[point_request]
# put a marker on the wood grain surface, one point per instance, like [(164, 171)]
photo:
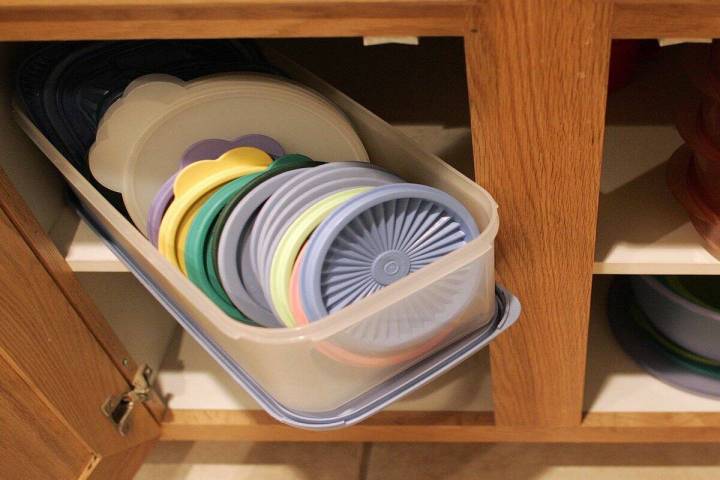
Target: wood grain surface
[(695, 19), (537, 75), (50, 348), (228, 425), (251, 18), (56, 266), (44, 338), (116, 19), (35, 443), (123, 465)]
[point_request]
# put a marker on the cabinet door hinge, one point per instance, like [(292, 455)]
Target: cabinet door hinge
[(119, 408)]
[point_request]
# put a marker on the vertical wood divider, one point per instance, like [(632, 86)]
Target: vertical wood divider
[(537, 79)]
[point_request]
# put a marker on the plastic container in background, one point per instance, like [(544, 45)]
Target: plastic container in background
[(693, 173), (704, 169), (692, 326), (682, 183), (642, 341), (298, 374)]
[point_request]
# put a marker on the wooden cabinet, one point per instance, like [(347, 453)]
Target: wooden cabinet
[(56, 366), (537, 85)]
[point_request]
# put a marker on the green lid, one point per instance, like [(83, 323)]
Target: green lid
[(212, 239), (197, 241)]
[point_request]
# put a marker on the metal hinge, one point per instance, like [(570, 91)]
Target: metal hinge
[(119, 408)]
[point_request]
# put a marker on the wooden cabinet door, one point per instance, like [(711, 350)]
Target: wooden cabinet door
[(59, 362)]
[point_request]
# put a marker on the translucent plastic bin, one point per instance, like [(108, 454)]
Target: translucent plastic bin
[(342, 368)]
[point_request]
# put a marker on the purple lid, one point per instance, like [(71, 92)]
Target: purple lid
[(214, 147), (160, 202), (203, 150)]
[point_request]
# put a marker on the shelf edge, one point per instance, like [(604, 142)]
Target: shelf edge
[(600, 427)]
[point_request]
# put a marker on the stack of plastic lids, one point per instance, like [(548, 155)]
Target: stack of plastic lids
[(66, 87), (694, 169), (670, 325), (261, 192)]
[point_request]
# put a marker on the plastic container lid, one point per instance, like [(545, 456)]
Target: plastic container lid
[(197, 243), (146, 98), (159, 205), (277, 285), (236, 275), (227, 237), (292, 199), (336, 351), (199, 179), (374, 240), (184, 228), (378, 238), (125, 121), (202, 150), (214, 147), (29, 82), (295, 301), (308, 125)]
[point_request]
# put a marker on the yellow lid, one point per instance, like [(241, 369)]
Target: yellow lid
[(197, 171), (290, 244), (182, 205)]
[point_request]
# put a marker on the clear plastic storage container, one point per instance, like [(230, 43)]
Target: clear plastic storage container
[(342, 368)]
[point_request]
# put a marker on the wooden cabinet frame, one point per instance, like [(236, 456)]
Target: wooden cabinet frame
[(59, 362), (537, 76)]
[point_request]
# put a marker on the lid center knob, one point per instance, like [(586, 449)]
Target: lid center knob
[(390, 266)]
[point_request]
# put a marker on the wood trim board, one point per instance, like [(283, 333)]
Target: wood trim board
[(596, 427), (537, 109), (695, 19), (136, 20)]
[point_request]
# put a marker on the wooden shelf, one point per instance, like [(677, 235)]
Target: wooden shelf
[(460, 427), (642, 229), (83, 250)]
